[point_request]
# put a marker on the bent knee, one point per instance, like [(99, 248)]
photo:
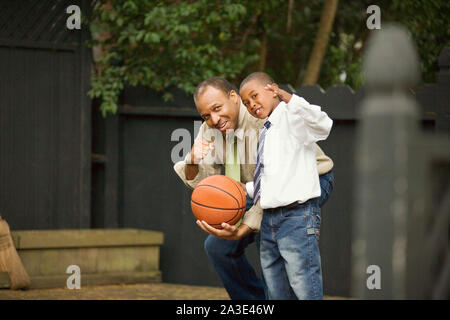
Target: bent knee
[(213, 246)]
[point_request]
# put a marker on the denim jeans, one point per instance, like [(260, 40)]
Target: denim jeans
[(290, 256), (229, 260)]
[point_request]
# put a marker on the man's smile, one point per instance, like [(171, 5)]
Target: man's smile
[(222, 126)]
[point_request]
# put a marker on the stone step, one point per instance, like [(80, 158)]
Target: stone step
[(104, 256), (4, 280), (111, 278)]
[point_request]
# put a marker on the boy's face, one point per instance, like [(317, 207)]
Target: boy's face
[(259, 102), (219, 110)]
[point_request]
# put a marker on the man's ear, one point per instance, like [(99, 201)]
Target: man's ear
[(234, 96)]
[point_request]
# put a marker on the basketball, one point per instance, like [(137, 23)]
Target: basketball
[(218, 199)]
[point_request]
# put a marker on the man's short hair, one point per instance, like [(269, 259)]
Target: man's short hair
[(262, 77), (215, 82)]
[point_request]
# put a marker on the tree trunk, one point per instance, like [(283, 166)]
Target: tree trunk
[(289, 16), (263, 52), (321, 42)]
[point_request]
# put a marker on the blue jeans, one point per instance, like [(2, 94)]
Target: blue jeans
[(229, 260), (290, 256)]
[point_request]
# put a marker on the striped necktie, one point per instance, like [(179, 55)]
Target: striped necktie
[(259, 163)]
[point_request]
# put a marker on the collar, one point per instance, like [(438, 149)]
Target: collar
[(276, 113)]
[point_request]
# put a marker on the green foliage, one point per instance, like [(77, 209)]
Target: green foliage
[(177, 44), (429, 26), (426, 20), (162, 45)]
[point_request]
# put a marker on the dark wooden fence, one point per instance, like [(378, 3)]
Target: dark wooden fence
[(45, 126)]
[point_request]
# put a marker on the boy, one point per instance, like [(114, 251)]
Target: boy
[(286, 186)]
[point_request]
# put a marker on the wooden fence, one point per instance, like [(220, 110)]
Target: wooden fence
[(45, 124)]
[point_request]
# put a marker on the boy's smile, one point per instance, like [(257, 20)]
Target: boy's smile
[(259, 101)]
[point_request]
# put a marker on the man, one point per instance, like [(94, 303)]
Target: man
[(228, 123)]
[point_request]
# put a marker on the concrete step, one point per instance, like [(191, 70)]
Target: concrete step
[(103, 256)]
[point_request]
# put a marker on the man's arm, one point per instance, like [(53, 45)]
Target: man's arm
[(191, 171)]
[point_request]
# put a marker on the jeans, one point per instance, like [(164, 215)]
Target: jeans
[(229, 260), (290, 256)]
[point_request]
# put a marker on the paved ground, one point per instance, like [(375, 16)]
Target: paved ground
[(150, 291)]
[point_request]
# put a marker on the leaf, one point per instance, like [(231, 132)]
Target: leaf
[(152, 37)]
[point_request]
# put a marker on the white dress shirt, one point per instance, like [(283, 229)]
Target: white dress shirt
[(290, 167)]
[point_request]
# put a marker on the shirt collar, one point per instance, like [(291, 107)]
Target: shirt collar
[(276, 113)]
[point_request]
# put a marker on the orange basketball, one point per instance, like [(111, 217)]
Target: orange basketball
[(218, 199)]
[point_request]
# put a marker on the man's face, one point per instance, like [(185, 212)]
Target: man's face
[(219, 110), (258, 101)]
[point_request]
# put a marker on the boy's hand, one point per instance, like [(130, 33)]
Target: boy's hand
[(199, 150), (228, 232), (278, 92)]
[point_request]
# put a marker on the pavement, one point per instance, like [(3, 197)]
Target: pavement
[(147, 291)]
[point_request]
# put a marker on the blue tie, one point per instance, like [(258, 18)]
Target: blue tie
[(259, 163)]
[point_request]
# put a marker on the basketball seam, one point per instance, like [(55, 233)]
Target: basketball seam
[(238, 187), (208, 185), (242, 197), (204, 205), (218, 224)]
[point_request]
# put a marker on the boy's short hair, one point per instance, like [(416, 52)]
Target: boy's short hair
[(262, 77), (215, 82)]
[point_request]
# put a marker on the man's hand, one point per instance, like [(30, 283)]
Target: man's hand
[(277, 91), (228, 232), (199, 150)]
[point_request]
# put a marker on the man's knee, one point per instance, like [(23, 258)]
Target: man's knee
[(214, 247), (209, 245), (218, 248)]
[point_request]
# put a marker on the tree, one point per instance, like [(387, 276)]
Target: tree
[(162, 44), (321, 42)]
